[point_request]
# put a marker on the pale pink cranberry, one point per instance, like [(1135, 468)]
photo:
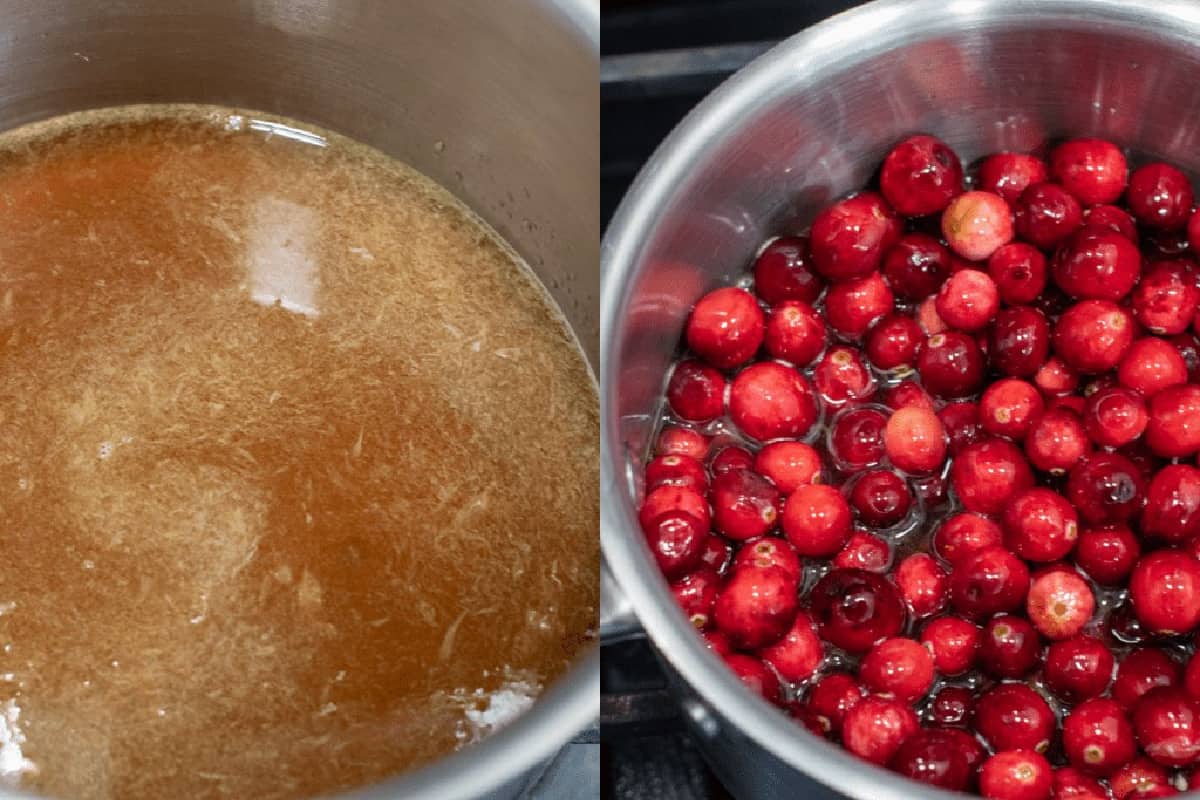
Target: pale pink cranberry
[(744, 504), (1045, 214), (916, 266), (795, 332), (799, 653), (864, 551), (927, 317), (1167, 296), (915, 440), (1099, 265), (1165, 591), (756, 607), (1019, 341), (1016, 775), (817, 520), (852, 306), (923, 584), (1011, 715), (976, 223), (1007, 174), (769, 400), (1107, 554), (1151, 365), (875, 727), (1098, 737), (784, 271), (1093, 336), (920, 176), (1174, 427), (1060, 603), (1160, 196), (954, 643), (899, 668), (1055, 378), (963, 534), (1172, 511), (988, 474), (789, 465), (1114, 416), (848, 239), (1009, 407), (842, 376), (968, 300), (1078, 668), (1093, 170), (726, 327), (1056, 441)]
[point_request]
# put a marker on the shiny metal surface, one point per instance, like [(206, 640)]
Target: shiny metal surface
[(496, 101), (805, 123)]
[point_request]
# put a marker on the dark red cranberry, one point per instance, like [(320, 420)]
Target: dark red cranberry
[(789, 465), (954, 643), (1007, 174), (769, 551), (730, 459), (952, 707), (726, 327), (1191, 677), (1009, 647), (1111, 218), (1174, 427), (817, 520), (1167, 296), (1172, 511), (1012, 715), (744, 503), (1009, 408), (875, 727), (1040, 525), (848, 239), (784, 271), (881, 498), (1046, 214), (1151, 365), (988, 474), (755, 676), (1137, 778), (1055, 378), (854, 609), (1019, 272), (968, 300), (1020, 341), (1106, 488), (1099, 265), (696, 593), (975, 224), (1060, 602), (666, 499), (757, 607), (1056, 441), (842, 376), (1167, 723), (1114, 416), (864, 551), (989, 581), (965, 533), (1165, 591), (1078, 668), (852, 306), (923, 584), (915, 440), (794, 332), (799, 653), (678, 441), (831, 697), (1165, 244), (1093, 170), (769, 400), (716, 554), (961, 421), (893, 343), (676, 539), (1160, 196), (951, 365), (935, 757), (899, 668), (696, 391), (717, 642), (856, 438), (1072, 784), (1016, 775), (676, 471), (907, 393), (1097, 737), (1107, 554), (920, 176), (916, 266)]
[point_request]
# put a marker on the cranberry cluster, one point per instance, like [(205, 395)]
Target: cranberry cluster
[(928, 476)]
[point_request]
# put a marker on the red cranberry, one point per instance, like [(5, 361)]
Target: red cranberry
[(1007, 174), (881, 498), (916, 266), (852, 306), (1093, 170), (717, 642), (726, 327), (968, 300), (1160, 196), (937, 758), (1009, 408), (716, 553), (1151, 365), (922, 584), (1071, 784), (795, 333), (666, 499), (856, 438), (756, 607), (915, 440), (1114, 416), (1019, 271), (1016, 775), (976, 223), (961, 421), (988, 474), (1105, 488), (817, 519), (952, 706), (855, 609), (920, 176), (730, 459), (893, 343), (1056, 441), (848, 239), (1167, 723), (696, 391), (864, 551), (1166, 299), (905, 394), (1111, 218), (963, 534), (842, 376), (676, 471), (1012, 715), (1165, 591), (798, 654), (875, 727), (755, 676), (1143, 669), (771, 401), (745, 504), (789, 465), (1174, 427), (1191, 677), (696, 593), (1099, 265), (1040, 525), (1172, 511), (1078, 668), (831, 697), (1093, 335), (951, 365), (1097, 737), (676, 539), (1020, 341), (1055, 377), (784, 271), (1009, 647), (677, 441), (899, 668), (769, 551), (988, 582), (1135, 779), (1059, 603), (954, 643), (1046, 214), (1107, 554)]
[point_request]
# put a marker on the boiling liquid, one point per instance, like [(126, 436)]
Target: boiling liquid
[(298, 463)]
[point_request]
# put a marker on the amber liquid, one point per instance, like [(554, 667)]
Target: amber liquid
[(298, 463)]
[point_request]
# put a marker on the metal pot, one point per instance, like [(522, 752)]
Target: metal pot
[(802, 125), (497, 101)]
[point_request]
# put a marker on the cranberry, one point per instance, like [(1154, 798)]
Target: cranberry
[(1071, 784), (1151, 365), (831, 697), (745, 504), (937, 758), (789, 465), (899, 668), (716, 553), (1105, 488), (881, 498), (1093, 170), (963, 534), (852, 306), (954, 643), (961, 421), (730, 459), (676, 471), (920, 176), (916, 266), (1139, 776), (848, 239), (1009, 647), (1007, 174), (1160, 196), (1107, 554), (1040, 525), (893, 343), (794, 332), (696, 391), (1165, 591), (696, 593), (769, 551), (907, 393), (757, 607), (1055, 377), (927, 317), (1167, 723), (1166, 299), (1020, 341), (855, 609), (717, 642), (1059, 603), (1191, 677), (673, 498), (1009, 407), (875, 727), (1172, 511), (676, 539), (842, 376), (1097, 737), (1114, 416), (856, 438), (726, 327), (988, 474), (951, 364), (1093, 335), (798, 654), (976, 223), (864, 551), (952, 706), (1098, 265), (1056, 441), (968, 300), (784, 271), (678, 441), (922, 584), (755, 676), (1016, 775), (1019, 271), (1174, 427), (915, 440), (988, 582), (1046, 214), (1111, 218), (1189, 348), (770, 401), (1078, 668), (816, 520), (1012, 715)]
